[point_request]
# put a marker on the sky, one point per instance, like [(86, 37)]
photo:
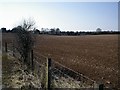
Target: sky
[(68, 16)]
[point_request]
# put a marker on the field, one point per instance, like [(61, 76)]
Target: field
[(95, 56)]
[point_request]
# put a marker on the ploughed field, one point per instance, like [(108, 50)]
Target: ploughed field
[(95, 56)]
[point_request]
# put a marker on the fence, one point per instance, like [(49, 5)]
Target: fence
[(53, 74)]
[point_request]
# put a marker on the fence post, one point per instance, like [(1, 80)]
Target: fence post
[(6, 47), (101, 87), (13, 49), (49, 73), (32, 60)]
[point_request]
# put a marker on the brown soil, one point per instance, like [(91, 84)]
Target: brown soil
[(96, 56)]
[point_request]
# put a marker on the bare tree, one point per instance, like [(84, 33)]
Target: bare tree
[(25, 40)]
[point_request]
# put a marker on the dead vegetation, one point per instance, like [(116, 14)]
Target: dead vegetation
[(17, 75)]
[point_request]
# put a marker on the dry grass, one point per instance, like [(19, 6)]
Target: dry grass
[(16, 75)]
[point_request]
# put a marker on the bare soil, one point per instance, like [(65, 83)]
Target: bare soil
[(95, 56)]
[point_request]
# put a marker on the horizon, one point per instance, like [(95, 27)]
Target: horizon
[(67, 16)]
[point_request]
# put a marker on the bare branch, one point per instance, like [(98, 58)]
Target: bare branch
[(25, 39)]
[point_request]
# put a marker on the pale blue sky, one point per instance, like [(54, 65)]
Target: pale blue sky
[(64, 15)]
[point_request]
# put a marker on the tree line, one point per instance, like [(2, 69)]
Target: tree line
[(57, 31)]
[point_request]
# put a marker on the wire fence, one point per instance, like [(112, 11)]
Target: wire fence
[(72, 75), (54, 75)]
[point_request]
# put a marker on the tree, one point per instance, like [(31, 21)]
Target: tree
[(24, 39), (98, 30), (52, 30), (36, 31), (58, 31)]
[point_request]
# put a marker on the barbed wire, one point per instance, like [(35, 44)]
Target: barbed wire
[(73, 71), (37, 57), (53, 61), (55, 69), (39, 63), (37, 53), (67, 79)]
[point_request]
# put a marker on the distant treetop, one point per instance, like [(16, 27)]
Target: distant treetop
[(98, 30)]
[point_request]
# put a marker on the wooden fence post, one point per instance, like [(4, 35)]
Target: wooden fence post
[(49, 73), (13, 49), (6, 47), (32, 60), (101, 87)]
